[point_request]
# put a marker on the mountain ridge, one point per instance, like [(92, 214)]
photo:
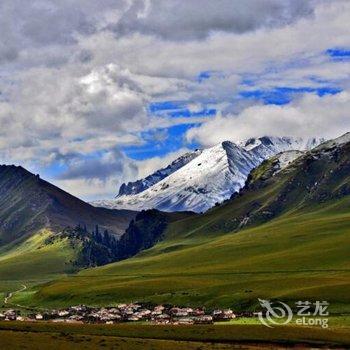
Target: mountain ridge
[(29, 204), (150, 180), (211, 177), (45, 231)]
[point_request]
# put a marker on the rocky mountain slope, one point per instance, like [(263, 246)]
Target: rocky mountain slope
[(212, 176)]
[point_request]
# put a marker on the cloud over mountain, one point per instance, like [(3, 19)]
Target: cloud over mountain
[(310, 115)]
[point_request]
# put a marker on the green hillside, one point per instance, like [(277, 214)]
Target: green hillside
[(35, 259), (286, 235), (34, 262), (45, 232), (296, 257)]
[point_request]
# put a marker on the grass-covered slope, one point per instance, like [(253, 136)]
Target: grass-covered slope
[(39, 234), (284, 236), (47, 255), (35, 259)]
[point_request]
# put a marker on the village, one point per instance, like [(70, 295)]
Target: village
[(159, 314)]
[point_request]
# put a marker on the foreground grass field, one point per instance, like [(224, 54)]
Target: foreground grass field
[(126, 336)]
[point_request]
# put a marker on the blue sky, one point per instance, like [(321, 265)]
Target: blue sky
[(339, 54), (172, 140)]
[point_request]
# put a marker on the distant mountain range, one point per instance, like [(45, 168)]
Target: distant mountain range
[(283, 233), (198, 180), (290, 180), (40, 222)]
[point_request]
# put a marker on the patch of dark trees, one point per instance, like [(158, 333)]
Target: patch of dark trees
[(99, 247), (145, 231)]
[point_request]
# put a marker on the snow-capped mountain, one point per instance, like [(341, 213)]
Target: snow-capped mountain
[(198, 180), (142, 185), (335, 142)]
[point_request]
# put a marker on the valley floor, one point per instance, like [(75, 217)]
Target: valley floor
[(21, 335)]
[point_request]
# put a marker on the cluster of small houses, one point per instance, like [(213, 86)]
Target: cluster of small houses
[(124, 313)]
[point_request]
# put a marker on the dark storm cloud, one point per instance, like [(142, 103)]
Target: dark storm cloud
[(196, 19), (7, 53), (26, 25)]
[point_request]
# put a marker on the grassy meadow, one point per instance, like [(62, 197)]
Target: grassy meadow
[(33, 262), (299, 256)]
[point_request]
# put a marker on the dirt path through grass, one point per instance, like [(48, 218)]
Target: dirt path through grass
[(6, 300)]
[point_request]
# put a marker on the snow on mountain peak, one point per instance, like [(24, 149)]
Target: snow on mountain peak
[(143, 184), (335, 142), (200, 179), (250, 143), (283, 159), (281, 143)]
